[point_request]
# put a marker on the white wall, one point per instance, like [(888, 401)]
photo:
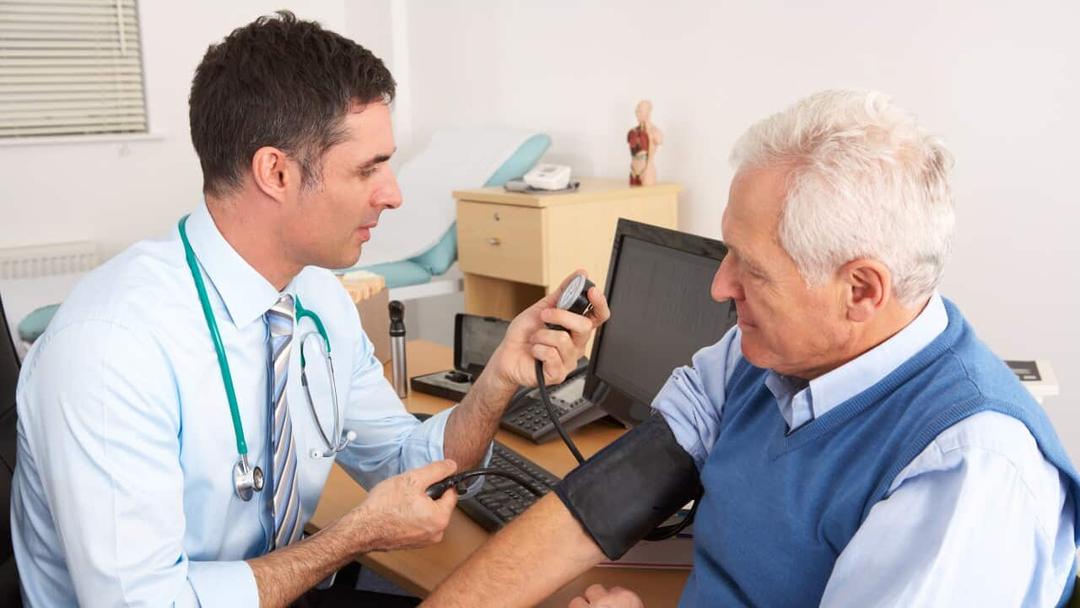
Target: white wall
[(117, 193), (998, 80)]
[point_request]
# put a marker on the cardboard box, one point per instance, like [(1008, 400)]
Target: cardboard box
[(368, 291)]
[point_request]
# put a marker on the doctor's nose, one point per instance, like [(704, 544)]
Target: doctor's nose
[(389, 194)]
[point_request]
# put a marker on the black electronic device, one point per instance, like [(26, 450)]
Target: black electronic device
[(658, 289), (475, 339)]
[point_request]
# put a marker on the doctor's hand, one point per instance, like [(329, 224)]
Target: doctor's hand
[(398, 514), (528, 339), (596, 596)]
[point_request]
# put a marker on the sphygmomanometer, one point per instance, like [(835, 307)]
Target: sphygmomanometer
[(627, 490), (575, 299)]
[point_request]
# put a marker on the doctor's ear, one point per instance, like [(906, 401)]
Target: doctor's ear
[(273, 173), (868, 286)]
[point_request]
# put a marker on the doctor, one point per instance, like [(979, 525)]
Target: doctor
[(169, 451)]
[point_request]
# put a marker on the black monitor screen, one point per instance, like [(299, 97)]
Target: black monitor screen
[(661, 310)]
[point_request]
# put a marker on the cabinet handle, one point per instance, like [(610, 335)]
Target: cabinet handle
[(494, 241)]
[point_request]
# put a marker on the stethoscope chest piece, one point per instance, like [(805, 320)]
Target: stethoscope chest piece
[(246, 479)]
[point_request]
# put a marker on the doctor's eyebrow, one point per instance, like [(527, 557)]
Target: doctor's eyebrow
[(381, 158)]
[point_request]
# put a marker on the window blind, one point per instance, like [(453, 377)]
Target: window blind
[(70, 67)]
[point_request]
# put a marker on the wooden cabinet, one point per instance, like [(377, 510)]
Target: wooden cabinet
[(514, 247)]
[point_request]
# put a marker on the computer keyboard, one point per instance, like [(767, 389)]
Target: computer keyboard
[(529, 417), (501, 500)]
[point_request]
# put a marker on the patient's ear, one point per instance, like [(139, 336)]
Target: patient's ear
[(272, 172), (867, 288)]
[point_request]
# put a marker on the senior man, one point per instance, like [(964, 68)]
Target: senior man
[(857, 444), (178, 420)]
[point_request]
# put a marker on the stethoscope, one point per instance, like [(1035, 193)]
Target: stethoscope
[(248, 479)]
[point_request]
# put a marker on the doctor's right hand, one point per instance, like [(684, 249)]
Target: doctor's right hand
[(398, 514)]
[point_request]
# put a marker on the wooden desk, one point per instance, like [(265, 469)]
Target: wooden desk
[(420, 570)]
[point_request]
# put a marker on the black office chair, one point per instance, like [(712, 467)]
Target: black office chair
[(9, 376)]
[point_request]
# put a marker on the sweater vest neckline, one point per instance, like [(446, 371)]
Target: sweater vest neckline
[(785, 442)]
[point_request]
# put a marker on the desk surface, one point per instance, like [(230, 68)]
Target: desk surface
[(420, 570)]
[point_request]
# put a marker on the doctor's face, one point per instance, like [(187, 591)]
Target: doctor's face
[(786, 325), (336, 212)]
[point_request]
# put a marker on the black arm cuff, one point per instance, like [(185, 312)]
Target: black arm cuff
[(631, 486)]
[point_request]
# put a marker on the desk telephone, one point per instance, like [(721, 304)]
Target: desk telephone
[(527, 417)]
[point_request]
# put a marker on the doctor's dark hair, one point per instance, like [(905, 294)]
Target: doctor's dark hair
[(282, 82)]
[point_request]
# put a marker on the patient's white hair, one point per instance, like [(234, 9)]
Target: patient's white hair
[(866, 181)]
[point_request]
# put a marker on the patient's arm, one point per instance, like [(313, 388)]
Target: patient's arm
[(531, 558)]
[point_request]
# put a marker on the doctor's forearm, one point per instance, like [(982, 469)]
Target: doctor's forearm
[(284, 575), (474, 421)]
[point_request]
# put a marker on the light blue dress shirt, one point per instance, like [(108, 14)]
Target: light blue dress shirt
[(979, 518), (123, 492)]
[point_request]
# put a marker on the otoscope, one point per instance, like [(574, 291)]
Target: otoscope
[(397, 349)]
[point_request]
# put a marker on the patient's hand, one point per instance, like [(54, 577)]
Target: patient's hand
[(596, 596)]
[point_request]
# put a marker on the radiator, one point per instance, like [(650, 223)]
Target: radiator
[(37, 261)]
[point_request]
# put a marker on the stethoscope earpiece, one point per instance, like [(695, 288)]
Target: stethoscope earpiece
[(332, 448)]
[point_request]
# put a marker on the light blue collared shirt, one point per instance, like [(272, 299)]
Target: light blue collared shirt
[(979, 518), (123, 492)]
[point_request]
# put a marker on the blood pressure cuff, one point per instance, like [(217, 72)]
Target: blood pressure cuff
[(631, 486)]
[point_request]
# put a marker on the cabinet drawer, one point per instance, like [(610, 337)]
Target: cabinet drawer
[(501, 241)]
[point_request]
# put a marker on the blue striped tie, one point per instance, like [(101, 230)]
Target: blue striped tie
[(287, 512)]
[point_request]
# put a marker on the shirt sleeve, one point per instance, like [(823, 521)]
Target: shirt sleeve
[(979, 518), (101, 418), (692, 399), (389, 440)]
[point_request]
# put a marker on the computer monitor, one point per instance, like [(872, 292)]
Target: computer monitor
[(661, 314)]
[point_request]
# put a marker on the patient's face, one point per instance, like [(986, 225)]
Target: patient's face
[(786, 325), (333, 218)]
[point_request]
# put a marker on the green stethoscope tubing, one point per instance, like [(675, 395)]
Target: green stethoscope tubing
[(243, 468), (215, 337)]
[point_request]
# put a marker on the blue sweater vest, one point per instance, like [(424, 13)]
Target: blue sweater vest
[(778, 509)]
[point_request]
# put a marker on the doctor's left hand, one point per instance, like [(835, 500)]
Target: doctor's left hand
[(528, 339)]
